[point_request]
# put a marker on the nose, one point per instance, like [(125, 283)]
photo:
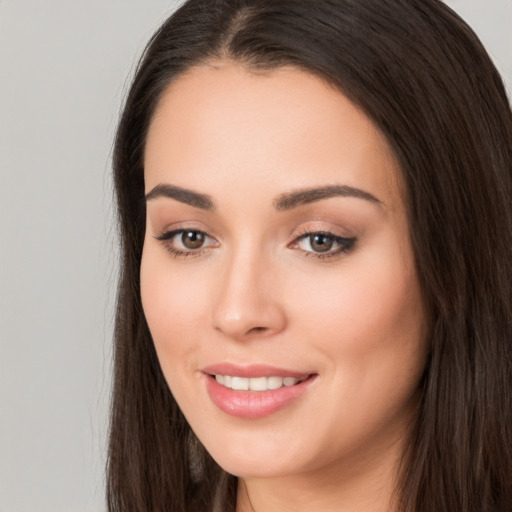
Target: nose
[(248, 303)]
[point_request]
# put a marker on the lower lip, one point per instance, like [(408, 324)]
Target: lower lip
[(254, 404)]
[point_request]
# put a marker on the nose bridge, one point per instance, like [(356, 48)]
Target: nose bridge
[(246, 305)]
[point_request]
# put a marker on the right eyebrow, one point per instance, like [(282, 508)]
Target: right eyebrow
[(183, 195)]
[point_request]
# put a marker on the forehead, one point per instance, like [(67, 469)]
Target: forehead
[(283, 127)]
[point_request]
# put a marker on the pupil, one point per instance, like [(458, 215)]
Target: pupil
[(192, 239), (321, 243)]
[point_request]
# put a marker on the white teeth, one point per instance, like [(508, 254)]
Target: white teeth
[(289, 381), (274, 382), (240, 383), (256, 383)]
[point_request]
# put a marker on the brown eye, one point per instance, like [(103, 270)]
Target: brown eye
[(321, 243), (192, 239), (186, 242), (324, 244)]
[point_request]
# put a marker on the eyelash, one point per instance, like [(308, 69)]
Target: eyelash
[(166, 239), (345, 244)]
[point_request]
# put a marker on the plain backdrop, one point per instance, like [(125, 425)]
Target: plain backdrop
[(64, 71)]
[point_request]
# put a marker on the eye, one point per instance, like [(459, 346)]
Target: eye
[(185, 242), (192, 239), (323, 244), (320, 242)]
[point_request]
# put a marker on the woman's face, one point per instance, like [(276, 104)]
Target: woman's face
[(277, 257)]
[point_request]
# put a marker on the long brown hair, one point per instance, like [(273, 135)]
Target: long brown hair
[(422, 75)]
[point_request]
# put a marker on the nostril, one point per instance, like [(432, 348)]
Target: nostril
[(257, 329)]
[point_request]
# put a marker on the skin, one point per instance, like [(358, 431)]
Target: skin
[(256, 292)]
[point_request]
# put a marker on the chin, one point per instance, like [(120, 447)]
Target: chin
[(248, 458), (249, 468)]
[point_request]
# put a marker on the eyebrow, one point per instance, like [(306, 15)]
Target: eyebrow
[(202, 201), (301, 197), (286, 201)]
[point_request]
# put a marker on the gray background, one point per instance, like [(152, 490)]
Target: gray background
[(63, 75)]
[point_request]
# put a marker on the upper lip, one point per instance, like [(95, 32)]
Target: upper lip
[(252, 370)]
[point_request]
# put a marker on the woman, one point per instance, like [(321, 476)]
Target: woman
[(316, 225)]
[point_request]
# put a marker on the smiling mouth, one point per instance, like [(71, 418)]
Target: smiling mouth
[(255, 391), (257, 383)]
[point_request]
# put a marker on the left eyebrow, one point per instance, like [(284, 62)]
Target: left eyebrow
[(304, 196)]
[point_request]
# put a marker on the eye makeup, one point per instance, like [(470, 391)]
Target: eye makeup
[(186, 242)]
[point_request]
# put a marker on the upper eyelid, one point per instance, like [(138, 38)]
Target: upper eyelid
[(338, 232), (186, 226), (337, 238), (169, 234)]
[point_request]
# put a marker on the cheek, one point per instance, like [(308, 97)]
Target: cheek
[(368, 317), (174, 306), (369, 326), (374, 292)]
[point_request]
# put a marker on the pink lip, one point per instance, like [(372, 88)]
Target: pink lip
[(253, 370), (253, 404)]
